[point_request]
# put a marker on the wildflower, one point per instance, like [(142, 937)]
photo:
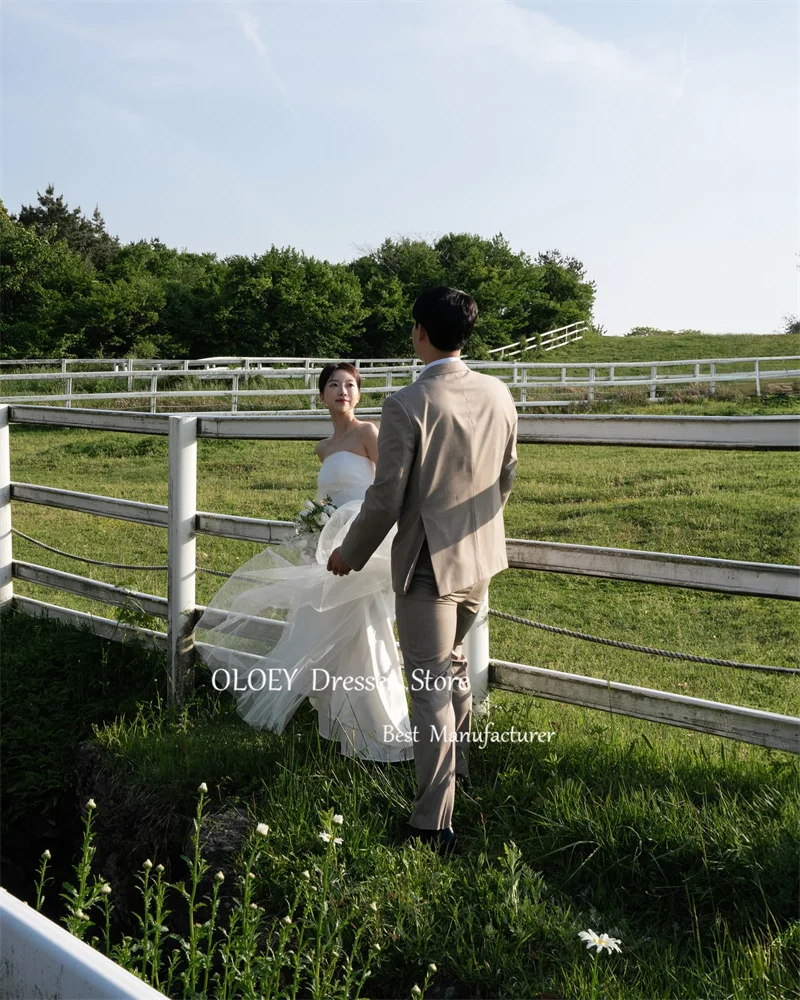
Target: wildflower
[(202, 787), (81, 915), (91, 804), (105, 889), (250, 875), (432, 968), (46, 855), (376, 947), (338, 819), (416, 991), (286, 920), (164, 929), (600, 941), (337, 840), (220, 877), (373, 907), (307, 875), (147, 865), (253, 906), (325, 837), (262, 829), (159, 868)]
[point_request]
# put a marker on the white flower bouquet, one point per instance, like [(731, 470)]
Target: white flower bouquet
[(314, 516)]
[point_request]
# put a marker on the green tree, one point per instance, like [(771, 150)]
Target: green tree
[(53, 218), (40, 285)]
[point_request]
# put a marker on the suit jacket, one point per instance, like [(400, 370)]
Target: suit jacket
[(446, 461)]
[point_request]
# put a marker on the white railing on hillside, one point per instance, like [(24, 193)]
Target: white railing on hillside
[(378, 380), (549, 341), (183, 522)]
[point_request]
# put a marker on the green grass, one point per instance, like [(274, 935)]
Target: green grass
[(685, 849), (681, 844), (676, 347), (736, 505)]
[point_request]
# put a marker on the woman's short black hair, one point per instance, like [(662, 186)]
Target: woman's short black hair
[(448, 316), (345, 366)]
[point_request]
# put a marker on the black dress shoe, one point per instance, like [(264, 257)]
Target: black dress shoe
[(443, 841)]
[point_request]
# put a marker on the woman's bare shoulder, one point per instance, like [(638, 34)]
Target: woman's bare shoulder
[(321, 448)]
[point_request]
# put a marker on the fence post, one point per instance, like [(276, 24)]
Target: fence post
[(591, 384), (476, 650), (69, 393), (758, 380), (653, 382), (63, 365), (181, 555), (712, 385), (234, 393), (6, 579), (129, 366)]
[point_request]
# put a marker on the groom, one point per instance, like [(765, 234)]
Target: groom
[(446, 461)]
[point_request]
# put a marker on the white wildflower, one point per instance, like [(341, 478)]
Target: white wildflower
[(432, 968), (220, 877), (46, 855), (159, 868), (600, 941), (286, 920), (373, 907), (147, 865), (202, 787), (376, 947), (338, 819), (253, 906), (262, 829), (415, 991), (105, 889), (307, 875), (338, 840), (91, 804), (81, 915), (325, 837)]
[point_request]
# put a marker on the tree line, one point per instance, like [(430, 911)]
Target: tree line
[(70, 289)]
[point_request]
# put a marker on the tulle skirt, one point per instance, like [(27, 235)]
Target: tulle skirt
[(282, 629)]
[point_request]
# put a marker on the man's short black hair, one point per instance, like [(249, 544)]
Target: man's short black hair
[(448, 316)]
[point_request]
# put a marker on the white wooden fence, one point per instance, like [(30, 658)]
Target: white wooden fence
[(549, 341), (381, 378), (183, 522)]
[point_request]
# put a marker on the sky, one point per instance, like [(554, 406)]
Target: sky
[(657, 142)]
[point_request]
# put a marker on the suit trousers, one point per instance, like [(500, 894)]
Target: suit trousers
[(431, 628)]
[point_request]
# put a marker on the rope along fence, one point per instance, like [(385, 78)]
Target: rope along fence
[(570, 633)]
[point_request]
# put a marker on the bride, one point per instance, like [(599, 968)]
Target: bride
[(283, 628)]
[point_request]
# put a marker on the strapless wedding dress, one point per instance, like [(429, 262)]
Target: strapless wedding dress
[(337, 646)]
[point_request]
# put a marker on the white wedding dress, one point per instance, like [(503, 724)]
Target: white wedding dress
[(337, 646)]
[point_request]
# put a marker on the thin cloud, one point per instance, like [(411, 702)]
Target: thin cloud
[(249, 26)]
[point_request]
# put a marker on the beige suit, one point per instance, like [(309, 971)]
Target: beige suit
[(446, 461)]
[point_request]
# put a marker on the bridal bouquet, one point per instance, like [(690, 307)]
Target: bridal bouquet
[(314, 516)]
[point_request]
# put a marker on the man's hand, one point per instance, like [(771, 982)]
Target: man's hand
[(337, 565)]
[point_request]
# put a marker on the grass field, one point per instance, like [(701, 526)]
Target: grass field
[(682, 845)]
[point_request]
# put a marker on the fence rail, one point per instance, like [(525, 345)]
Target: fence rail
[(522, 378), (183, 522)]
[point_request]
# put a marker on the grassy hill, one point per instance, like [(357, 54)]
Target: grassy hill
[(674, 347)]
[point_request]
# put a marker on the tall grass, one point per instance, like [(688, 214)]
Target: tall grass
[(686, 851)]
